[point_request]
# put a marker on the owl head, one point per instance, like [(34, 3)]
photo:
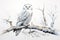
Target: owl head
[(27, 7)]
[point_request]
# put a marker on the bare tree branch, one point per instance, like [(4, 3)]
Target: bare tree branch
[(44, 29), (53, 18), (43, 13)]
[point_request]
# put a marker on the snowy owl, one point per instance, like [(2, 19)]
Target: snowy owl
[(25, 17)]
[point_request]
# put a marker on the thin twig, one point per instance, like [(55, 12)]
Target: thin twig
[(52, 15), (43, 13)]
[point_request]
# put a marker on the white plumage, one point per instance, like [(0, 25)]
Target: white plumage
[(23, 21), (25, 17)]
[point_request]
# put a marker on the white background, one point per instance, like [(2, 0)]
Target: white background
[(11, 8)]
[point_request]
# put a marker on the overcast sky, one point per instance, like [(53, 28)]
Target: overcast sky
[(11, 8)]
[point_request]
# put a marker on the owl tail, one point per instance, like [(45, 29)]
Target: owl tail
[(17, 32)]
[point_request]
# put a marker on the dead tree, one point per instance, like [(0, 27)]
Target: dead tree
[(36, 27)]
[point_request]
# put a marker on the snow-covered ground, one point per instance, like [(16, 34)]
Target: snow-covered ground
[(11, 8)]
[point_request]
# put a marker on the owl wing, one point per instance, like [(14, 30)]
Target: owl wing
[(24, 18), (28, 19)]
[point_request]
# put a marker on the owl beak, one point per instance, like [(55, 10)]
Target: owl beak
[(28, 8)]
